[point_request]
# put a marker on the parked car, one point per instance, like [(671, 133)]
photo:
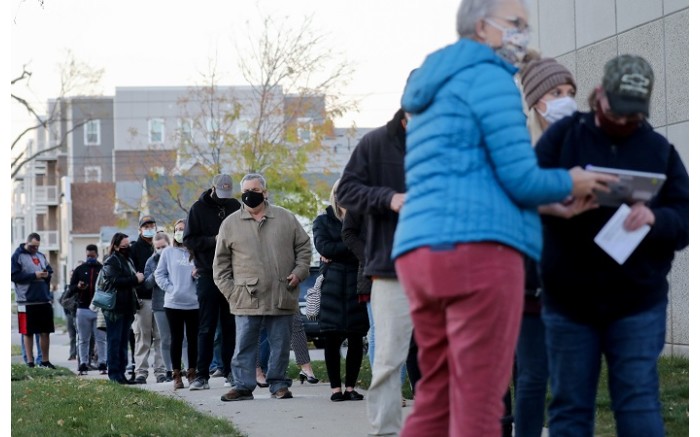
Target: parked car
[(311, 327)]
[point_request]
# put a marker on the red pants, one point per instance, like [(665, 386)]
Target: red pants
[(466, 305)]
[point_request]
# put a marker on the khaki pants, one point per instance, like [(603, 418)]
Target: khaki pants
[(392, 330), (147, 337)]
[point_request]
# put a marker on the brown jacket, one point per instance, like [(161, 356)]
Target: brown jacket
[(253, 259)]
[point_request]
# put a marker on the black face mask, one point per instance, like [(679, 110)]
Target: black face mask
[(252, 198), (125, 251)]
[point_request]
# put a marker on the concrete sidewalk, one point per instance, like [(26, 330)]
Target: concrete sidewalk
[(309, 414)]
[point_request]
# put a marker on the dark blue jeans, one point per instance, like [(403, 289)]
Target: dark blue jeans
[(118, 326), (531, 377), (212, 308), (631, 346)]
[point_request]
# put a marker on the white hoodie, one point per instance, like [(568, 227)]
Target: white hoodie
[(174, 276)]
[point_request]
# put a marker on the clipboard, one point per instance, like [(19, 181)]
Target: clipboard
[(633, 186)]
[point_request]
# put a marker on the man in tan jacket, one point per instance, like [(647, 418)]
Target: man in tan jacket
[(262, 255)]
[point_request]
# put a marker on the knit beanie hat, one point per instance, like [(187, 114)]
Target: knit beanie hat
[(540, 76)]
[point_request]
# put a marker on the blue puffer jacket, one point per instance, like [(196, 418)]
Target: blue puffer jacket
[(471, 172)]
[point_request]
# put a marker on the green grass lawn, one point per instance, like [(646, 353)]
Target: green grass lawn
[(673, 372), (57, 402)]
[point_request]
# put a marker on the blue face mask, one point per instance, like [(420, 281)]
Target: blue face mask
[(149, 233), (90, 260)]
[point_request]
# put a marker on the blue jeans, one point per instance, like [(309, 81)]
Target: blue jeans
[(118, 326), (217, 362), (39, 358), (531, 378), (264, 354), (279, 334), (631, 346)]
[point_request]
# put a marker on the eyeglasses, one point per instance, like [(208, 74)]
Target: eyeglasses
[(516, 22)]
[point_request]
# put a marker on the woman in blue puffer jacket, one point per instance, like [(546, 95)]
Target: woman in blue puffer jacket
[(470, 212)]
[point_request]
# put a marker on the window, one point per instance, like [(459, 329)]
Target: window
[(93, 174), (213, 130), (156, 130), (185, 128), (92, 133)]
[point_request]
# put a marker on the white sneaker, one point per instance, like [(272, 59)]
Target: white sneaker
[(229, 380)]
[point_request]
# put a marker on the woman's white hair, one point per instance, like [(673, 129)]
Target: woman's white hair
[(471, 11)]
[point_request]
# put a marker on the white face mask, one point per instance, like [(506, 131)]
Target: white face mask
[(178, 236), (558, 108), (514, 43), (160, 250)]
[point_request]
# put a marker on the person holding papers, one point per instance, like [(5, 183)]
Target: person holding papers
[(595, 304)]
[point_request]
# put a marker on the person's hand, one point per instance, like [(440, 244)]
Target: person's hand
[(293, 280), (325, 260), (139, 277), (570, 207), (194, 273), (42, 275), (587, 182), (640, 215), (397, 201)]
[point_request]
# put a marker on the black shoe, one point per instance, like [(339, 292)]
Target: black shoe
[(126, 381), (337, 397), (140, 379), (169, 376), (303, 376), (282, 393), (47, 365), (102, 368), (82, 369), (352, 396)]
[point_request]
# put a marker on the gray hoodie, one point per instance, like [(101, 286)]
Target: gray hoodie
[(174, 276)]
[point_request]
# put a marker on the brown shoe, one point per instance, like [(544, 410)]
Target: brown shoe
[(191, 376), (237, 395), (177, 379), (282, 393)]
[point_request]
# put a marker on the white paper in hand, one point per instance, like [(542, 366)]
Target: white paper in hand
[(615, 240)]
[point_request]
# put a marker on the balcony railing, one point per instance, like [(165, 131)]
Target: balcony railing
[(49, 240), (46, 195)]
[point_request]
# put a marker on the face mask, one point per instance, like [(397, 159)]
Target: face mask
[(558, 109), (513, 43), (252, 198), (149, 233), (178, 236), (159, 251), (125, 251), (90, 260), (612, 129)]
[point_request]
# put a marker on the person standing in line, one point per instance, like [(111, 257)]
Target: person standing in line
[(203, 222), (175, 275), (470, 212), (71, 320), (83, 282), (160, 242), (121, 276), (342, 316), (601, 307), (262, 255), (145, 327), (373, 184), (31, 273)]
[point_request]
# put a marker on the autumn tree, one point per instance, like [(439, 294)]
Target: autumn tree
[(276, 124), (76, 77)]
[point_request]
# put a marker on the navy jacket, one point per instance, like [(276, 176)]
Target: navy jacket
[(579, 278), (29, 289)]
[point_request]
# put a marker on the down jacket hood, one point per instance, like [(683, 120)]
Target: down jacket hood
[(440, 66)]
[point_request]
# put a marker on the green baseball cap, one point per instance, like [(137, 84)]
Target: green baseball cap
[(628, 81)]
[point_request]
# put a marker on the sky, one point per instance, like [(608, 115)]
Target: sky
[(170, 43)]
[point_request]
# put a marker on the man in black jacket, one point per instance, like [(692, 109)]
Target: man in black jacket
[(145, 329), (201, 230), (82, 283), (373, 184)]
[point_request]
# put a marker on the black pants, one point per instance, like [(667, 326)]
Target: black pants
[(212, 307), (412, 365), (353, 360), (179, 321)]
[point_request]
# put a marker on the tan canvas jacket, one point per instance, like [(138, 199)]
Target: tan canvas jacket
[(253, 259)]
